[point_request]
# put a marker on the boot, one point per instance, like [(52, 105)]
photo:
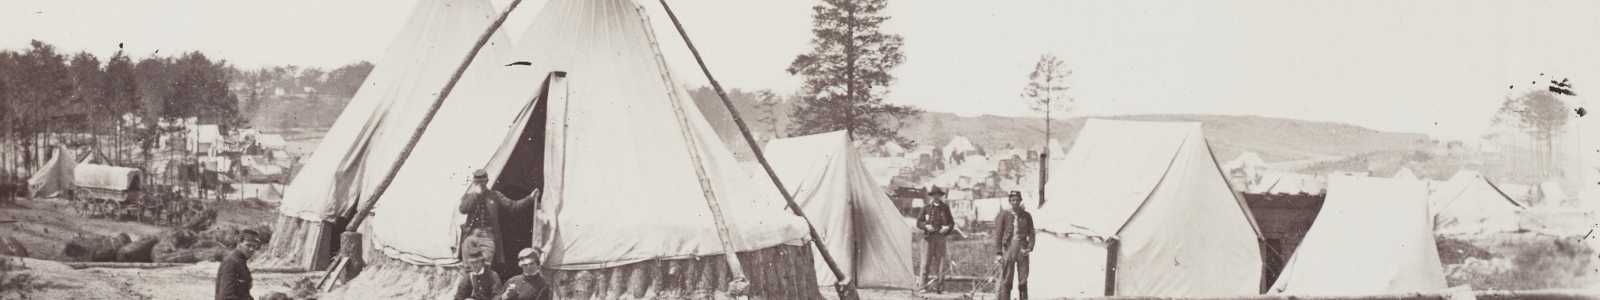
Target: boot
[(1022, 291)]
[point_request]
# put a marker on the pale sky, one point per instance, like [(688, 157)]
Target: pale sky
[(1437, 67)]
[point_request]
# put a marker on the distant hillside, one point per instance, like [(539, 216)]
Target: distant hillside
[(1275, 139)]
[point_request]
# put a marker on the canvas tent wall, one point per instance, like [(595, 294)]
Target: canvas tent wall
[(627, 167), (55, 177), (1405, 174), (857, 221), (1373, 236), (375, 125), (1148, 200), (1470, 204)]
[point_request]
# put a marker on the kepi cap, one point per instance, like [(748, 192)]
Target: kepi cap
[(528, 256)]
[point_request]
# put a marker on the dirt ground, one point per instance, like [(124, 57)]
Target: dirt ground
[(43, 226), (59, 281)]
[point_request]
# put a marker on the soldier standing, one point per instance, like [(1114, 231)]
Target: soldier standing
[(483, 207), (1013, 239), (936, 223)]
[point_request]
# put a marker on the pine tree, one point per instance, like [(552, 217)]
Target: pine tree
[(847, 75)]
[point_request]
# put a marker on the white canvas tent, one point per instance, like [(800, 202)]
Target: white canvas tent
[(1470, 204), (1148, 200), (55, 176), (374, 127), (1405, 174), (1550, 193), (1248, 160), (1287, 183), (628, 168), (856, 220), (1373, 236)]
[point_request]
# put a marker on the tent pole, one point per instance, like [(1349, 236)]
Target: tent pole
[(422, 127), (1113, 251), (1044, 167), (846, 291)]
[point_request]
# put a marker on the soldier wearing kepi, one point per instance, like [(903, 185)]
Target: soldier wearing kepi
[(233, 274), (478, 280), (935, 222), (530, 284), (484, 207), (1013, 239)]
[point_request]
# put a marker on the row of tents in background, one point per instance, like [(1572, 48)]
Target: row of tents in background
[(1249, 173), (1134, 208), (247, 163)]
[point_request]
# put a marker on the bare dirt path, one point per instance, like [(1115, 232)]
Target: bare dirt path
[(58, 281)]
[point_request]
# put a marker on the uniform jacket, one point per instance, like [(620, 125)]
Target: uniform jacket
[(1014, 226), (524, 287), (233, 277), (478, 285), (936, 219), (483, 210)]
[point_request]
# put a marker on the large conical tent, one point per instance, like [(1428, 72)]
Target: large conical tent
[(374, 127), (55, 176), (1155, 189), (858, 222), (1470, 204), (628, 168), (1373, 236)]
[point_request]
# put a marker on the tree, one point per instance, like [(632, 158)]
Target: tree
[(1046, 90), (154, 88), (846, 73), (89, 85), (346, 80), (767, 108), (201, 90), (1542, 115), (122, 86)]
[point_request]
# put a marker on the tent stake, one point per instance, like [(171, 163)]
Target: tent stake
[(846, 291), (422, 127)]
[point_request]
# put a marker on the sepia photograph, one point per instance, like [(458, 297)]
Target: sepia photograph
[(802, 149)]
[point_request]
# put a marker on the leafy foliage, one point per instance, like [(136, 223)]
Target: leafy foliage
[(846, 73)]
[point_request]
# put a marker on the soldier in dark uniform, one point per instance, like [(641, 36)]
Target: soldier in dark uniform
[(484, 207), (233, 275), (1013, 238), (529, 285), (936, 223), (478, 280)]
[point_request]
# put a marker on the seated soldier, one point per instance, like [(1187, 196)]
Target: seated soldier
[(529, 285), (478, 280)]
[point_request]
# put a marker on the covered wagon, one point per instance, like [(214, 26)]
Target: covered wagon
[(99, 189)]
